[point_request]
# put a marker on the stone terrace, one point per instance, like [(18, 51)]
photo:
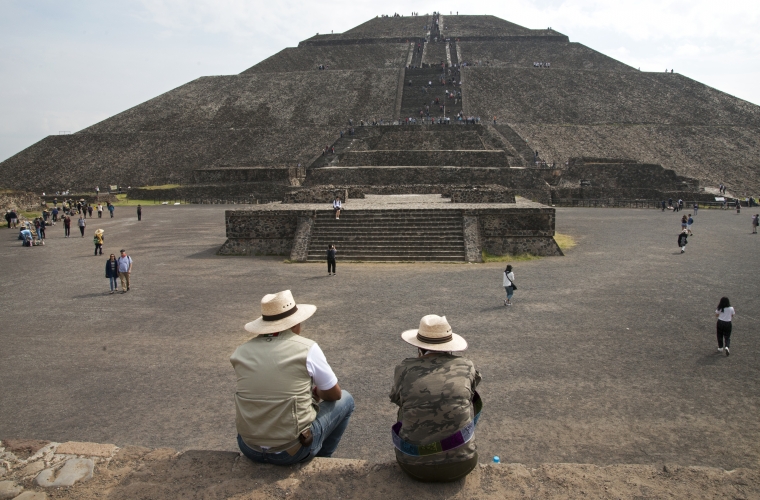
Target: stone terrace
[(271, 99), (345, 57), (712, 154), (523, 53), (391, 27), (552, 96), (466, 26)]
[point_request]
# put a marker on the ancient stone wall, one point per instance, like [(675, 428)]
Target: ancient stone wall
[(523, 53), (18, 200), (490, 194), (514, 178), (261, 232), (335, 57), (490, 158), (288, 176), (317, 195), (205, 193)]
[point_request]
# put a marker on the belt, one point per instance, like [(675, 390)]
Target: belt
[(291, 448), (456, 440)]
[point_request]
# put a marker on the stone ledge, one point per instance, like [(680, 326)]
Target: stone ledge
[(138, 472)]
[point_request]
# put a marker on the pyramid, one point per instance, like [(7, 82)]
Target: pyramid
[(252, 131)]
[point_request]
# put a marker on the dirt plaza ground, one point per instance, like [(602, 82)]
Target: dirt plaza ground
[(607, 357)]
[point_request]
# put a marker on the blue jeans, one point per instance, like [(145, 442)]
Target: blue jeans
[(510, 292), (112, 282), (327, 429)]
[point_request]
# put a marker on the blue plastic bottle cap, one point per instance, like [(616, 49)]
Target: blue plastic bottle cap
[(496, 460)]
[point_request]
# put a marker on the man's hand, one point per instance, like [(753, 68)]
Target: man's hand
[(333, 394)]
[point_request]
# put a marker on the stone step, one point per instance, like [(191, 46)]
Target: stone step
[(400, 258), (319, 247), (389, 236)]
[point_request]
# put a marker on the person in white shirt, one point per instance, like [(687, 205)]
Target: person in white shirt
[(508, 278), (337, 206), (725, 314)]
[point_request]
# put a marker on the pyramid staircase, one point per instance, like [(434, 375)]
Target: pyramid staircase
[(389, 235), (414, 98)]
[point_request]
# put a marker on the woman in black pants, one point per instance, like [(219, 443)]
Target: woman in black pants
[(725, 314), (331, 260)]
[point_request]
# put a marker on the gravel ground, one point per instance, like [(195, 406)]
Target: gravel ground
[(608, 355)]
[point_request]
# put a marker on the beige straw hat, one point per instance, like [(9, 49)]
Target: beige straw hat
[(279, 312), (434, 334), (99, 231)]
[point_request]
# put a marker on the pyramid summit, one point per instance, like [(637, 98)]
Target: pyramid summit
[(523, 98)]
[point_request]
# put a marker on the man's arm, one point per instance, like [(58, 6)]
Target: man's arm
[(332, 394)]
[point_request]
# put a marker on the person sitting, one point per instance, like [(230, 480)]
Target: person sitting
[(438, 406), (279, 417), (337, 206)]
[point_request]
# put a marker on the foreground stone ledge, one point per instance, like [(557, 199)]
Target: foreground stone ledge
[(139, 472)]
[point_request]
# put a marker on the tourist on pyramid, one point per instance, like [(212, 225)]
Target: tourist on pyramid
[(289, 405), (438, 405), (337, 206)]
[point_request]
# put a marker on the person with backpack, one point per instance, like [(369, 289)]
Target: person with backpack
[(508, 281), (111, 208), (98, 240), (682, 240)]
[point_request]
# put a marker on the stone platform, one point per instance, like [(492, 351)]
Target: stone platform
[(497, 228)]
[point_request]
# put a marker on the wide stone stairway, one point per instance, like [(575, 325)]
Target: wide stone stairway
[(389, 235), (415, 98)]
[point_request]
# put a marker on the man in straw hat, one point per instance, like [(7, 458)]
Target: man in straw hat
[(280, 419), (438, 405)]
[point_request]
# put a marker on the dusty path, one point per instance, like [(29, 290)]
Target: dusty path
[(607, 357)]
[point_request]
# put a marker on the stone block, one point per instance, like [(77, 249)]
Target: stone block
[(32, 495), (74, 470), (87, 449), (33, 468), (9, 489)]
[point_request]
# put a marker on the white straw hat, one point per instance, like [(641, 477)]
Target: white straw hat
[(434, 334), (279, 312)]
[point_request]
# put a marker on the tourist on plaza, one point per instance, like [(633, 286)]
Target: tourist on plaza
[(89, 210), (725, 313), (66, 226), (125, 269), (684, 223), (738, 205), (100, 210), (337, 206), (41, 229), (139, 212), (112, 272), (331, 251), (13, 218), (55, 215), (111, 208), (696, 207), (755, 222), (689, 222), (98, 240), (438, 405), (82, 224), (680, 204), (281, 419), (8, 218), (508, 279), (663, 205), (682, 240), (26, 236)]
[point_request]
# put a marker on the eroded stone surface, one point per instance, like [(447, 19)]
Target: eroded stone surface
[(33, 468), (87, 449), (74, 470), (32, 495), (9, 489)]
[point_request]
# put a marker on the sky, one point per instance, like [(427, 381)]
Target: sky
[(65, 65)]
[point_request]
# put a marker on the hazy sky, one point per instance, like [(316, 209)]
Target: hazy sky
[(65, 65)]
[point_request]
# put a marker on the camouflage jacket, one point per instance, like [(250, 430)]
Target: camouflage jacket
[(434, 395)]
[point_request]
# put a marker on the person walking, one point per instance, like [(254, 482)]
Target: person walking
[(725, 313), (98, 240), (689, 222), (112, 272), (139, 212), (41, 230), (125, 269), (439, 407), (82, 224), (682, 240), (13, 216), (684, 223), (8, 218), (111, 208), (66, 226), (508, 279), (331, 251), (89, 210), (738, 206), (755, 222), (100, 211), (696, 207)]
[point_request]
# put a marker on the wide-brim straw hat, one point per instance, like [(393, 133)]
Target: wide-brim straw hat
[(99, 231), (279, 312), (434, 334)]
